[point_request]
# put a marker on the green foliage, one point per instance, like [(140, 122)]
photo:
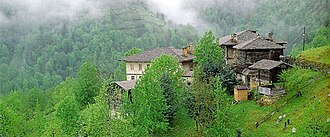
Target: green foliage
[(43, 55), (223, 124), (38, 121), (211, 61), (208, 73), (300, 110), (167, 86), (204, 103), (295, 78), (133, 51), (88, 84), (149, 107), (95, 118), (67, 114), (209, 55), (317, 38), (13, 114), (319, 56)]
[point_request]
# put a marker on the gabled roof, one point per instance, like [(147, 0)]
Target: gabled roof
[(241, 37), (266, 64), (126, 85), (244, 36), (258, 43), (148, 56)]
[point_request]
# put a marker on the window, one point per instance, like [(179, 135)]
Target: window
[(132, 77), (140, 66), (132, 66), (148, 65), (140, 77)]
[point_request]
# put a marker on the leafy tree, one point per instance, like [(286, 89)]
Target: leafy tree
[(96, 117), (166, 83), (13, 114), (67, 114), (210, 69), (149, 107), (209, 55), (88, 84), (223, 122), (203, 103), (38, 121)]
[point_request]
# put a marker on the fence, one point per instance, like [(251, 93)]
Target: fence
[(320, 67), (278, 108)]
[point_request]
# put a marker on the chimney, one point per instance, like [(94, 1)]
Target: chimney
[(233, 38), (188, 50), (270, 36), (185, 52)]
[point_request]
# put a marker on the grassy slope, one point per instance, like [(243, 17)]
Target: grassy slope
[(312, 107), (313, 103), (319, 55)]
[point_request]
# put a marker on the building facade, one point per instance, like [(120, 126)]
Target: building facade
[(137, 64)]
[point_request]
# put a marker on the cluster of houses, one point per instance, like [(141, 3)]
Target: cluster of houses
[(255, 59)]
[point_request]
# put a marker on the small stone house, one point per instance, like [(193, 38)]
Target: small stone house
[(266, 70)]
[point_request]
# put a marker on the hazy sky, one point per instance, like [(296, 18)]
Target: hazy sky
[(177, 11), (42, 10)]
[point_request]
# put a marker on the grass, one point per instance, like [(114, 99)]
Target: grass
[(312, 107), (319, 55), (184, 126)]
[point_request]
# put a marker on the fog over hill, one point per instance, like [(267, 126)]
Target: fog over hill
[(176, 11)]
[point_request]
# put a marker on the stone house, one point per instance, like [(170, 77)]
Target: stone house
[(243, 49)]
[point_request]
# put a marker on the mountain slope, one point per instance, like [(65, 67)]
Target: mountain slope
[(308, 113)]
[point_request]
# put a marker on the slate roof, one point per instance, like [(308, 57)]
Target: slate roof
[(126, 85), (258, 43), (244, 36), (188, 74), (242, 87), (148, 56), (266, 64), (241, 37)]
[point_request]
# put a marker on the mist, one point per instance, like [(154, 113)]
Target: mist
[(176, 11), (189, 11), (39, 11)]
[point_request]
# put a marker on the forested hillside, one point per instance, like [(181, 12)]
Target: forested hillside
[(285, 19), (58, 67), (43, 55)]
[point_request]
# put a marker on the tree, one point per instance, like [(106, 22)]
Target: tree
[(204, 101), (88, 85), (13, 115), (96, 117), (210, 68), (209, 56), (67, 114), (149, 107), (223, 122)]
